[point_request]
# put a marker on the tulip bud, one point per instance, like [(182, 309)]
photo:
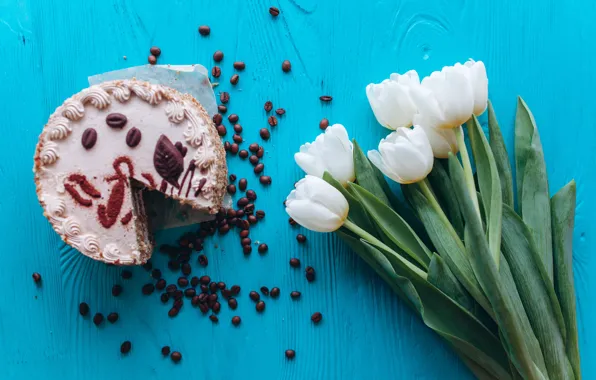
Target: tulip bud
[(331, 152), (391, 102), (405, 155), (317, 205)]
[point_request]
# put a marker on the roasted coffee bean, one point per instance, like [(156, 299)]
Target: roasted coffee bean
[(156, 274), (165, 297), (232, 177), (213, 288), (204, 308), (227, 146), (247, 249), (216, 307), (231, 189), (171, 289), (221, 285), (125, 347), (252, 219), (176, 356), (89, 138), (186, 269), (268, 106), (214, 318), (36, 277), (286, 66), (310, 274), (126, 274), (273, 11), (260, 214), (249, 209), (326, 98), (253, 147), (216, 71), (234, 79), (240, 213), (156, 51), (254, 296), (242, 184), (239, 65), (251, 195), (323, 124), (116, 120), (224, 97), (218, 56), (83, 309), (265, 134), (246, 241), (316, 317), (152, 59), (98, 319), (165, 350), (294, 262), (116, 290), (238, 139), (190, 292), (204, 30), (217, 119), (182, 282), (195, 300), (148, 266), (148, 289), (160, 284), (237, 128), (177, 297), (233, 118), (232, 303), (242, 202), (265, 180), (259, 168), (194, 282), (280, 111), (292, 222), (275, 292), (222, 130), (234, 148), (265, 290), (253, 160), (236, 320), (224, 229), (272, 120), (226, 293), (263, 248), (183, 259), (235, 289), (244, 233), (295, 295), (203, 261), (113, 317), (290, 354), (261, 151), (173, 312), (301, 238), (260, 306)]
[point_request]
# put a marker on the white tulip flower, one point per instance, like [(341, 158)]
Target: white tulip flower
[(476, 74), (405, 155), (317, 205), (331, 152), (442, 141), (391, 102)]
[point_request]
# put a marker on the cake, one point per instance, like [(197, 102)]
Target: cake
[(105, 146)]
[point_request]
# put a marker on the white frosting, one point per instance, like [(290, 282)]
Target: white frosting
[(61, 162)]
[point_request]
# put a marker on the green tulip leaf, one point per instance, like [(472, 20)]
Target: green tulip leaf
[(563, 215), (524, 131), (393, 226), (443, 279), (441, 184), (366, 175), (497, 145), (537, 294)]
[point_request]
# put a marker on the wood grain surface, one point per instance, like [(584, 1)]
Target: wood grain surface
[(542, 50)]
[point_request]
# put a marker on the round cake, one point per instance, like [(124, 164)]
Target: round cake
[(105, 146)]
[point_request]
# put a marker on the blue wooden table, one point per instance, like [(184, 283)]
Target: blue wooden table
[(542, 50)]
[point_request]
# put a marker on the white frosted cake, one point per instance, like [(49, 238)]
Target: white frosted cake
[(106, 145)]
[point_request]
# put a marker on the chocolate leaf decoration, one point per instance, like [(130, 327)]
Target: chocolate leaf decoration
[(168, 161)]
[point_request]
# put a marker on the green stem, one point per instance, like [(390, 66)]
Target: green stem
[(379, 244), (468, 174)]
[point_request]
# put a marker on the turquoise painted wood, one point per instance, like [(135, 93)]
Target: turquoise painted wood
[(542, 50)]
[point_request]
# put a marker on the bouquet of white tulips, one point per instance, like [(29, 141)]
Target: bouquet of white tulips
[(491, 277)]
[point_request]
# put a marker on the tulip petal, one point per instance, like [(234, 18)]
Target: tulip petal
[(313, 216), (442, 141), (479, 82), (337, 154), (309, 163)]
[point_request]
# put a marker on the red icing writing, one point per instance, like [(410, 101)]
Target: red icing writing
[(108, 214), (149, 179), (200, 187), (85, 185), (191, 169), (76, 196), (164, 186), (126, 218)]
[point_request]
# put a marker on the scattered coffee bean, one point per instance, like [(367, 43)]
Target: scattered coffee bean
[(221, 285), (182, 282), (294, 262), (222, 130), (231, 189), (272, 120), (83, 309), (205, 280), (214, 318), (234, 148), (234, 79), (310, 274), (148, 289), (215, 71), (218, 56), (236, 320), (259, 168), (295, 295), (247, 249), (213, 288), (240, 213), (261, 151), (165, 297), (246, 241), (243, 234), (217, 119), (171, 289), (254, 296), (275, 292), (165, 350), (233, 118), (116, 290), (176, 356), (265, 290), (190, 292), (98, 319), (224, 97), (290, 354), (222, 109), (252, 219), (292, 221), (194, 282), (235, 289), (173, 312), (265, 134), (204, 30), (238, 140), (232, 303), (301, 238), (280, 111), (316, 317), (242, 184), (260, 306), (126, 274), (254, 159), (251, 195), (232, 177), (195, 300), (125, 347), (326, 98), (268, 106), (203, 261), (186, 269), (273, 11), (160, 284), (36, 277), (152, 60), (253, 147), (227, 146), (323, 124), (237, 128), (265, 180), (216, 307), (286, 66), (242, 202), (156, 51), (113, 317), (239, 65), (260, 214), (156, 274)]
